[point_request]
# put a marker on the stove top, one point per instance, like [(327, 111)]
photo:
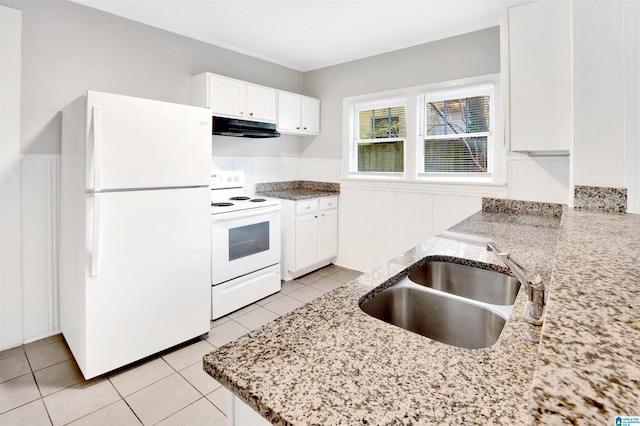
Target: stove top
[(225, 206), (228, 193)]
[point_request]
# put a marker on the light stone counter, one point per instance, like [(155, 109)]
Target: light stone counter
[(588, 369), (329, 363), (297, 190)]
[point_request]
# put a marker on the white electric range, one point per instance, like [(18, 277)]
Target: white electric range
[(245, 244)]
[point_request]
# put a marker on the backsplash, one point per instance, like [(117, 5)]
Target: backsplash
[(499, 205), (604, 199)]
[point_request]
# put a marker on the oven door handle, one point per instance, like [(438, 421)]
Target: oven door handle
[(244, 213)]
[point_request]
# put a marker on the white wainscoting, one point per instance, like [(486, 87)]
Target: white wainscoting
[(544, 179), (381, 220), (40, 193)]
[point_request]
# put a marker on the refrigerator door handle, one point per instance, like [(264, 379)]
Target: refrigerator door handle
[(95, 246), (97, 144)]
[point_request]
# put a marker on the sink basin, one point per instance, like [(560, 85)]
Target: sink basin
[(466, 281), (439, 316)]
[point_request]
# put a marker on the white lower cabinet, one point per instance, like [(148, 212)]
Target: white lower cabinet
[(309, 235), (328, 234), (306, 249)]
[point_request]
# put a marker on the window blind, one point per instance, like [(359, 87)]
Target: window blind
[(379, 134), (457, 130)]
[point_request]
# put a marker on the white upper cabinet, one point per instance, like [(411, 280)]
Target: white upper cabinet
[(261, 103), (537, 76), (228, 97), (310, 115), (288, 111), (298, 114)]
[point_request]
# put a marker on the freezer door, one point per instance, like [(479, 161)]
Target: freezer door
[(147, 274), (140, 143)]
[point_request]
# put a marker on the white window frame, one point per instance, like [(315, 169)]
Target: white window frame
[(481, 89), (413, 147), (355, 133)]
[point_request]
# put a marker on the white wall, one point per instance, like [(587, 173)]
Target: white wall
[(10, 271), (380, 220), (279, 169), (466, 55), (68, 48)]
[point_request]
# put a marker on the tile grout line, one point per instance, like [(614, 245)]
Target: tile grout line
[(122, 398)]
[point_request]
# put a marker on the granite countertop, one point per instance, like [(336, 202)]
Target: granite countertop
[(297, 190), (329, 363), (588, 369)]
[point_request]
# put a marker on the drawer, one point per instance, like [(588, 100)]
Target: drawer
[(304, 207), (328, 203)]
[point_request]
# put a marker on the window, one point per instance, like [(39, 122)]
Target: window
[(379, 136), (438, 133), (457, 137)]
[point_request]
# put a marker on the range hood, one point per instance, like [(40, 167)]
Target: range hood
[(243, 128)]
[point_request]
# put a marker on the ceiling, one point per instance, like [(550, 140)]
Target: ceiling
[(310, 34)]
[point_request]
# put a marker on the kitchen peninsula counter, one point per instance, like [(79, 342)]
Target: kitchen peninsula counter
[(330, 363)]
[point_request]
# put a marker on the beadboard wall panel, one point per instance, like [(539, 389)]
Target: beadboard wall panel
[(544, 179), (40, 175)]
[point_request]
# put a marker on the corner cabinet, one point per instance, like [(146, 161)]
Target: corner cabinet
[(309, 235), (537, 76), (298, 114), (228, 97)]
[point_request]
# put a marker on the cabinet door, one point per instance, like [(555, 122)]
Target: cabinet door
[(261, 103), (540, 79), (288, 112), (328, 234), (310, 115), (227, 96), (306, 241)]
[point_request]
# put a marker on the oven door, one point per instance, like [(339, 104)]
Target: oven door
[(243, 242)]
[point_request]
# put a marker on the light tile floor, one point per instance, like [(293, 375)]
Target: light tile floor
[(40, 383)]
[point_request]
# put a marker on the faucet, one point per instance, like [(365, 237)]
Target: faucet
[(536, 305)]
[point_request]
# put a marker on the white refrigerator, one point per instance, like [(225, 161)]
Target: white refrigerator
[(135, 248)]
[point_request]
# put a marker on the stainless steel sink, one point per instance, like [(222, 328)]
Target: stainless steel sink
[(439, 316), (466, 281)]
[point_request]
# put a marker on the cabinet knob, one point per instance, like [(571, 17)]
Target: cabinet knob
[(298, 128), (251, 114), (305, 128), (241, 112)]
